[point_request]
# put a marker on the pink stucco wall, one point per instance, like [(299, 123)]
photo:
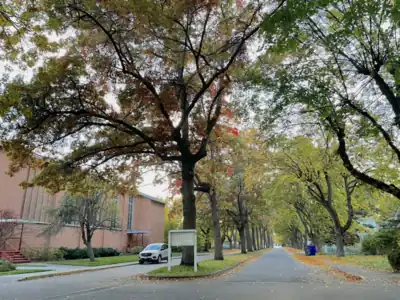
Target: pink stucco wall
[(32, 205), (11, 194)]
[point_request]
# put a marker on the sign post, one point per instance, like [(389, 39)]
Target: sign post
[(182, 238)]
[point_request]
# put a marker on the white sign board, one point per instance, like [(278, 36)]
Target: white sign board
[(182, 238)]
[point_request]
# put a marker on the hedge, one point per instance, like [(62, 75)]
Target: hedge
[(79, 253)]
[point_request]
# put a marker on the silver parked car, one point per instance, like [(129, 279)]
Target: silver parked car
[(154, 253)]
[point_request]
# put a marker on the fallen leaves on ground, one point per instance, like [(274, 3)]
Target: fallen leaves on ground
[(317, 261), (373, 262), (293, 250)]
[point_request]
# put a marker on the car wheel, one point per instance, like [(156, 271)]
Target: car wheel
[(159, 260), (141, 261)]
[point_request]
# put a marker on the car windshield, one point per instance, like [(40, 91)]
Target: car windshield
[(153, 247)]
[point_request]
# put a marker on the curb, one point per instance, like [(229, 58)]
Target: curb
[(35, 277), (217, 273)]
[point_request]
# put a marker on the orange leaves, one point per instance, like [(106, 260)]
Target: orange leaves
[(213, 90), (169, 99), (219, 131), (293, 250), (234, 131), (228, 113), (230, 171), (322, 263)]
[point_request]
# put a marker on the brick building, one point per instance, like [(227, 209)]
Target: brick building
[(141, 217)]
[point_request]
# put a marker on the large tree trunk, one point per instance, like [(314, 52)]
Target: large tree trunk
[(242, 240), (218, 252), (270, 244), (259, 238), (253, 237), (189, 208), (266, 242), (262, 240), (339, 243), (89, 249), (249, 242), (235, 242)]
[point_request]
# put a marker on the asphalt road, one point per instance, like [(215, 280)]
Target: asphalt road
[(274, 276)]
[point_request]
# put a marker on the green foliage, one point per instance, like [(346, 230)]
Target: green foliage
[(43, 254), (368, 245), (135, 250), (386, 240), (177, 249), (90, 209), (326, 89), (204, 267), (5, 266), (172, 217), (106, 252), (394, 259), (100, 261), (79, 253), (381, 243), (23, 271)]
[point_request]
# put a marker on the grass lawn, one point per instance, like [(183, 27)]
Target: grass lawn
[(206, 266), (100, 261), (376, 262), (16, 272)]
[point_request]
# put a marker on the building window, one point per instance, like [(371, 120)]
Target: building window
[(114, 214), (130, 212)]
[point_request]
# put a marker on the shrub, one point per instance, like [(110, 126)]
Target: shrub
[(135, 250), (5, 266), (80, 253), (176, 249), (105, 252), (43, 254), (74, 253), (386, 240), (368, 245), (394, 259)]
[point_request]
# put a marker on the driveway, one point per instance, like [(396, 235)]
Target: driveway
[(274, 276)]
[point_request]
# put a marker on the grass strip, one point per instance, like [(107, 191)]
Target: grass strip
[(206, 267), (25, 271), (100, 261)]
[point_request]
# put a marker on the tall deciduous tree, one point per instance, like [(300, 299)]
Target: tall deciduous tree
[(326, 182), (88, 208), (339, 61), (8, 223), (135, 82)]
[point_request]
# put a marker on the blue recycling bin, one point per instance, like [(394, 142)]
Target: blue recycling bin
[(311, 250)]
